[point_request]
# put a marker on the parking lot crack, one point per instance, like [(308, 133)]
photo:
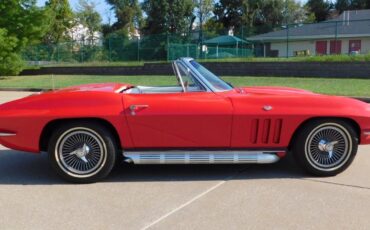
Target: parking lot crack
[(338, 184)]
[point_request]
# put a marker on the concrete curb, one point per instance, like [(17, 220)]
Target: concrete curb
[(364, 99)]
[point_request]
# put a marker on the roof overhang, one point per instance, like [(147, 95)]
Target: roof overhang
[(299, 38)]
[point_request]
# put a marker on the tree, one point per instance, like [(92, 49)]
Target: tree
[(89, 17), (258, 16), (23, 20), (60, 19), (128, 13), (230, 13), (320, 8), (168, 16), (203, 11), (10, 60), (21, 24), (342, 5)]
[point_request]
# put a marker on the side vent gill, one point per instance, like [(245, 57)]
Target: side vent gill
[(265, 131)]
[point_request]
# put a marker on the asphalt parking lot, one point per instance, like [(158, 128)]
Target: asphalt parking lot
[(275, 196)]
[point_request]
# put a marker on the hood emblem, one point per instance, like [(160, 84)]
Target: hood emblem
[(267, 107)]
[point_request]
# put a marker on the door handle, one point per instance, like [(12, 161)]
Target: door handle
[(136, 108)]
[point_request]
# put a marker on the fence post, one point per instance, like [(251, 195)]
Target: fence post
[(82, 51), (57, 52), (168, 47), (37, 50), (138, 49), (336, 37), (110, 51), (287, 41)]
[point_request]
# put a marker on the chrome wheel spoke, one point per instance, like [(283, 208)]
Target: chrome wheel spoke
[(81, 152), (328, 146)]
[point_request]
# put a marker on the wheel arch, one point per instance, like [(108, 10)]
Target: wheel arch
[(349, 121), (52, 125)]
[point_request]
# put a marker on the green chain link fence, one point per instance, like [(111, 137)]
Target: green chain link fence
[(332, 37)]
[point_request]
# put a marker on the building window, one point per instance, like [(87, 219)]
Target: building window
[(354, 46), (335, 47), (321, 47)]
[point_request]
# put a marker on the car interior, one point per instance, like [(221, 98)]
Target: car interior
[(185, 79)]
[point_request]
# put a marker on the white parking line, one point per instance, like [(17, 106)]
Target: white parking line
[(189, 202)]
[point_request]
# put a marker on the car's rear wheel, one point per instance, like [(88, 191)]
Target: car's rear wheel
[(325, 147), (82, 152)]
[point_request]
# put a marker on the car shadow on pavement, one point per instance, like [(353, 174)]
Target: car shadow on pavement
[(17, 168)]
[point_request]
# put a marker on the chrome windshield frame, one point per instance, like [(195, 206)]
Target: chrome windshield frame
[(195, 73), (208, 86)]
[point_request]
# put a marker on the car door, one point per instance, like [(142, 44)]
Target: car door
[(186, 120), (200, 119)]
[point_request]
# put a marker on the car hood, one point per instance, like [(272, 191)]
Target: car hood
[(275, 90), (301, 99)]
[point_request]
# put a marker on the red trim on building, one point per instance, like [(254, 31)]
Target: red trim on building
[(335, 47), (321, 47)]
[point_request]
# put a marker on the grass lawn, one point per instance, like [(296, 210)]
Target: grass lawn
[(345, 87)]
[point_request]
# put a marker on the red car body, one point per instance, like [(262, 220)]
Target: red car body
[(234, 119), (201, 120)]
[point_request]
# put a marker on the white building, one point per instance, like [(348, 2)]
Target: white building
[(80, 33), (348, 33)]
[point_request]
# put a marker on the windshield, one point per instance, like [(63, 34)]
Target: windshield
[(215, 81)]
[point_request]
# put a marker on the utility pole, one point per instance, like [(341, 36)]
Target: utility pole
[(201, 26), (287, 28)]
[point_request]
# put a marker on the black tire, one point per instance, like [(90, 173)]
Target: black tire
[(325, 147), (82, 152)]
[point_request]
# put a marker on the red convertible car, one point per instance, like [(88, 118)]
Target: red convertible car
[(201, 119)]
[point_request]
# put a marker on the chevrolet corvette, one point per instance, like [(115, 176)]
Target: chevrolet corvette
[(200, 119)]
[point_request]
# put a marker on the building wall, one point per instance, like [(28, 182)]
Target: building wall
[(311, 46)]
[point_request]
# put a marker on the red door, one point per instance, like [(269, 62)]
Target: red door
[(335, 47), (192, 119), (354, 46), (321, 47)]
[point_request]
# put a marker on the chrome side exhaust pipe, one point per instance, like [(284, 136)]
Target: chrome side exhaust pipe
[(202, 157)]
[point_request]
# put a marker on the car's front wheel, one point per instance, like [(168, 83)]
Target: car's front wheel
[(325, 147), (82, 152)]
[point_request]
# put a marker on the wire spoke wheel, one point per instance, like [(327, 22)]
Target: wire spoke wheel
[(328, 147), (80, 152)]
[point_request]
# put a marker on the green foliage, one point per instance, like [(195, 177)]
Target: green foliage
[(10, 61), (21, 24), (128, 13), (213, 28), (168, 16), (342, 5), (258, 16), (339, 58), (320, 8), (60, 17), (22, 19), (89, 17)]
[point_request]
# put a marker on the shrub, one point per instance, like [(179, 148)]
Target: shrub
[(10, 61)]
